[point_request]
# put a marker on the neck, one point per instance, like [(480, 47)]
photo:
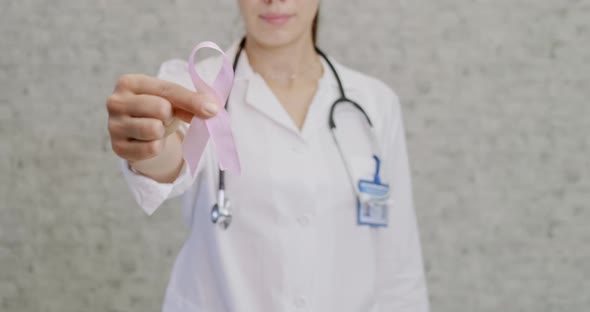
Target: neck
[(286, 60)]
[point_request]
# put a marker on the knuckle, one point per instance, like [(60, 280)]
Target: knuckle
[(112, 126), (140, 130), (161, 111), (113, 103), (134, 131), (125, 81), (159, 129), (152, 148), (117, 147), (153, 129)]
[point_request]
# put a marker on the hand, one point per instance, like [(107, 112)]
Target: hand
[(142, 107)]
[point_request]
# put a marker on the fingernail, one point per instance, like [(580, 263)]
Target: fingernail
[(211, 109)]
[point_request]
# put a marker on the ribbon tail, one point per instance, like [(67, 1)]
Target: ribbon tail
[(223, 142), (194, 144)]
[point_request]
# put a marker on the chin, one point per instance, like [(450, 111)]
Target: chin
[(275, 38)]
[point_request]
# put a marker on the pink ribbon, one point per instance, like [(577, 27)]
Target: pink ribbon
[(218, 128)]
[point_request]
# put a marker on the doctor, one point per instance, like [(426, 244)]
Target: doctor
[(323, 217)]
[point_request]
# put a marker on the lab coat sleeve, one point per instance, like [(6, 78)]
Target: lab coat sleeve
[(148, 193), (402, 278)]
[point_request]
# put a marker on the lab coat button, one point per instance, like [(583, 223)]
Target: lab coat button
[(304, 220), (299, 149), (300, 302)]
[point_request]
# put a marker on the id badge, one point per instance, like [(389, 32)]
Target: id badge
[(373, 201)]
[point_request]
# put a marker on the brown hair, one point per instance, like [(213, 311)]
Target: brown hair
[(314, 28)]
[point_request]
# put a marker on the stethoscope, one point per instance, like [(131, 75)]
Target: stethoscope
[(221, 211)]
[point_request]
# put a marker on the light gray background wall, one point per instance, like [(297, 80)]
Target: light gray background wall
[(495, 96)]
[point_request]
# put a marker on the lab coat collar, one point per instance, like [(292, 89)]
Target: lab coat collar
[(245, 72), (260, 96)]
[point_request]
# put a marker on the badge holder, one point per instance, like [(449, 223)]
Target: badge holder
[(373, 200)]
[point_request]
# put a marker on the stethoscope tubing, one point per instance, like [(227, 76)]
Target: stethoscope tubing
[(220, 211)]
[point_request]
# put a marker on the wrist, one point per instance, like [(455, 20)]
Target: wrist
[(166, 166)]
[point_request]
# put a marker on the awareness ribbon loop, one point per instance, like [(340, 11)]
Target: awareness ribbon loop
[(218, 128)]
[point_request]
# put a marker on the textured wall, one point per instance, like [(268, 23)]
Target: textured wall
[(495, 95)]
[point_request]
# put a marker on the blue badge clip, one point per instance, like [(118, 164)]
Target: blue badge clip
[(367, 215)]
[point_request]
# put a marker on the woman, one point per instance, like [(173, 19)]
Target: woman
[(299, 239)]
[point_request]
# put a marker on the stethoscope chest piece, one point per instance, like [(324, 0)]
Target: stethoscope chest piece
[(221, 213)]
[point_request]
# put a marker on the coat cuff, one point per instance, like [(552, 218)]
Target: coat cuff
[(150, 194)]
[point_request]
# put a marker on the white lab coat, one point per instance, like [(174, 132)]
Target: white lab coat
[(294, 244)]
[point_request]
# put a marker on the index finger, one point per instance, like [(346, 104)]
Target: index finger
[(184, 99)]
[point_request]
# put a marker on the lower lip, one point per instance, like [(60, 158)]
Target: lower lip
[(276, 20)]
